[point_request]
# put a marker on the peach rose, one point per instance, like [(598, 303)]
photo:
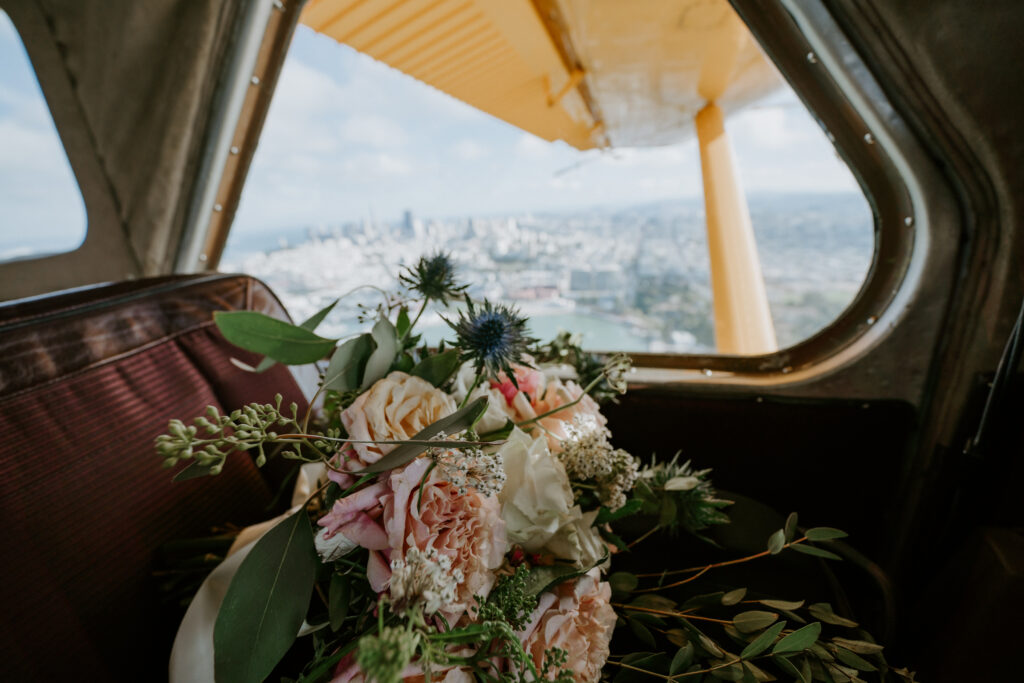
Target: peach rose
[(556, 394), (348, 671), (394, 408), (468, 528), (577, 618)]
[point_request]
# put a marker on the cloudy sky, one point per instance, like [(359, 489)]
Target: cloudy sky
[(347, 137)]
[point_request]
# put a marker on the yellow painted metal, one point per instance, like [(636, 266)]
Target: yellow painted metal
[(593, 73), (495, 55), (743, 320)]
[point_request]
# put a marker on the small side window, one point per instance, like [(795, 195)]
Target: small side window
[(41, 207)]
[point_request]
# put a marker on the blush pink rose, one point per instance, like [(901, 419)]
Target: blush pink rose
[(348, 671), (396, 407), (578, 618), (555, 395), (467, 527)]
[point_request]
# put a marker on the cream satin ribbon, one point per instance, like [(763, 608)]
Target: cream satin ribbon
[(192, 654)]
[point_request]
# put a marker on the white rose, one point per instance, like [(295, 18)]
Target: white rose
[(394, 408), (537, 504), (497, 408), (579, 541)]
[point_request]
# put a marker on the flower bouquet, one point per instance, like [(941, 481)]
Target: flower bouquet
[(456, 516)]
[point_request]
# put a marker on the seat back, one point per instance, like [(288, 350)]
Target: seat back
[(88, 379)]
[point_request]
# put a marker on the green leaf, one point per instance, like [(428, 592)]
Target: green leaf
[(404, 363), (824, 533), (790, 527), (776, 542), (667, 515), (803, 674), (455, 423), (193, 471), (816, 552), (654, 601), (338, 599), (862, 647), (677, 636), (704, 600), (309, 323), (545, 577), (276, 339), (683, 659), (642, 632), (402, 324), (383, 356), (733, 672), (799, 640), (748, 674), (631, 507), (347, 364), (851, 659), (266, 602), (437, 368), (623, 582), (500, 434), (763, 641), (823, 612), (733, 596), (754, 620), (782, 604)]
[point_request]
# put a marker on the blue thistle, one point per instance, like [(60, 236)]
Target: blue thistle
[(433, 277), (494, 337)]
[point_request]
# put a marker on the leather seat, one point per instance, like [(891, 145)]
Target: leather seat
[(88, 379)]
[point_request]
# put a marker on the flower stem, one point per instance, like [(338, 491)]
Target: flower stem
[(476, 383), (705, 568), (417, 318)]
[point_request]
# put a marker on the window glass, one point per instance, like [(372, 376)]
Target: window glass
[(41, 207), (361, 169)]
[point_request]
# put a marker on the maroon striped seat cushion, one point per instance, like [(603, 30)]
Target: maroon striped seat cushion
[(84, 503)]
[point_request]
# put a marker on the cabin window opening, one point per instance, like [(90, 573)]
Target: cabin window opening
[(362, 168), (41, 207)]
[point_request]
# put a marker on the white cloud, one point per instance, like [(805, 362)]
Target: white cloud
[(469, 150), (529, 146), (377, 131)]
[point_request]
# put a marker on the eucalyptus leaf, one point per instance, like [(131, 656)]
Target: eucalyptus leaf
[(438, 367), (347, 364), (402, 324), (754, 620), (823, 611), (669, 510), (862, 647), (853, 660), (734, 596), (682, 659), (193, 471), (654, 601), (642, 632), (824, 533), (776, 542), (677, 636), (623, 582), (606, 515), (799, 640), (383, 356), (276, 339), (782, 604), (816, 552), (790, 527), (453, 424), (338, 599), (732, 672), (763, 641), (544, 577), (266, 602), (309, 323)]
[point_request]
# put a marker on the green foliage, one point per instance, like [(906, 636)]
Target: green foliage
[(433, 277), (383, 356), (348, 364), (590, 367), (309, 323), (437, 368), (683, 498), (281, 341), (509, 601), (252, 426), (266, 602)]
